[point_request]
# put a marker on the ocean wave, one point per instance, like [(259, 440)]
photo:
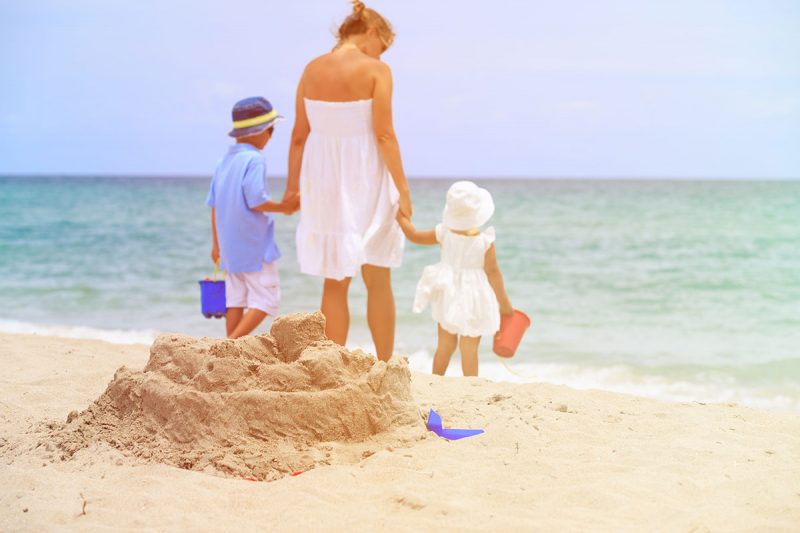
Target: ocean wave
[(723, 385), (719, 388), (114, 336)]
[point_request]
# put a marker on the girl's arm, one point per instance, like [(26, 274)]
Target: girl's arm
[(413, 234), (215, 246), (496, 281), (297, 144), (387, 140)]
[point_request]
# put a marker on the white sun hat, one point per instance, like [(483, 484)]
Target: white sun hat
[(468, 206)]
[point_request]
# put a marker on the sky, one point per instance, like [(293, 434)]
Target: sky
[(507, 88)]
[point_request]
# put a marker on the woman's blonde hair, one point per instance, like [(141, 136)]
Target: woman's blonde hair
[(363, 19)]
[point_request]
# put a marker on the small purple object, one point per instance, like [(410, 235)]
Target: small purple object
[(435, 425), (212, 298)]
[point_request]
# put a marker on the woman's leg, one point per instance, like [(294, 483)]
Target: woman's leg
[(334, 307), (380, 309), (469, 355), (447, 345)]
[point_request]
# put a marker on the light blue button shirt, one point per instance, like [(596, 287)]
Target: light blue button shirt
[(246, 237)]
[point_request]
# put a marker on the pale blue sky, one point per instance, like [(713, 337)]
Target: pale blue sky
[(618, 88)]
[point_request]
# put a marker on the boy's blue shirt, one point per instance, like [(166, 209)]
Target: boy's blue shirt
[(246, 237)]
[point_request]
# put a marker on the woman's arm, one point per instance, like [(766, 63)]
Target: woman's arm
[(413, 234), (297, 143), (496, 281), (387, 140)]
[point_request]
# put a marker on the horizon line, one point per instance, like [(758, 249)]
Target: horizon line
[(418, 177)]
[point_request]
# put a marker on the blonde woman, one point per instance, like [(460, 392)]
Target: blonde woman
[(344, 161)]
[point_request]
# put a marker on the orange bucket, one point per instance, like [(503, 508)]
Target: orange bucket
[(512, 329)]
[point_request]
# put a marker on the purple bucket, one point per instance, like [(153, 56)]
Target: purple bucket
[(212, 298)]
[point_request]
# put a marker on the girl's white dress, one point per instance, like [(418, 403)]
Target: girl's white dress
[(457, 288), (349, 200)]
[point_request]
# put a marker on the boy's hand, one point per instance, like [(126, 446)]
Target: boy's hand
[(215, 254)]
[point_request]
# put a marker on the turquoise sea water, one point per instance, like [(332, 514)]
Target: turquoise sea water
[(678, 290)]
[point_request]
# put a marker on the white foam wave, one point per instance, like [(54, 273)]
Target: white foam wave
[(623, 379), (115, 336)]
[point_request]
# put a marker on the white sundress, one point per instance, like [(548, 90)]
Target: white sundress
[(349, 201), (457, 288)]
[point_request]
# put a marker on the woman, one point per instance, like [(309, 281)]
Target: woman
[(345, 162)]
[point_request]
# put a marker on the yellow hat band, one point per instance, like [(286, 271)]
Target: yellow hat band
[(255, 121)]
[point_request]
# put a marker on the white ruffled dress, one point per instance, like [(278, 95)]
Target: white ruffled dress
[(457, 288), (349, 200)]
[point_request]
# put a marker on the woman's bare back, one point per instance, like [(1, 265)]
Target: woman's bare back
[(343, 75)]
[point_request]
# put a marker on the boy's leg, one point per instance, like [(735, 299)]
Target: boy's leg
[(248, 323), (469, 355), (232, 318), (447, 345), (236, 298), (334, 307), (380, 309), (263, 296)]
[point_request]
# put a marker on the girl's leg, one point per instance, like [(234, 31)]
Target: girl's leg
[(334, 307), (380, 309), (248, 323), (232, 318), (447, 345), (469, 355)]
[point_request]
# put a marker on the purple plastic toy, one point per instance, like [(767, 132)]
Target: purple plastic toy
[(435, 425), (212, 296)]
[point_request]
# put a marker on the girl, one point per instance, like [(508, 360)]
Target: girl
[(465, 289)]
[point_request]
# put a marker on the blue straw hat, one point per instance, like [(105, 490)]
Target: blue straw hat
[(253, 115)]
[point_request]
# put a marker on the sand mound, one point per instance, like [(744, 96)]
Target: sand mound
[(259, 406)]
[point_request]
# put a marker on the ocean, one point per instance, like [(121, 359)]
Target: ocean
[(679, 290)]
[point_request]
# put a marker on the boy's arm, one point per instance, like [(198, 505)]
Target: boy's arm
[(256, 195), (215, 246), (273, 207), (413, 234), (496, 281)]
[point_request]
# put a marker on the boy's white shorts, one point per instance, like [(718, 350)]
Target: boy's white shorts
[(255, 290)]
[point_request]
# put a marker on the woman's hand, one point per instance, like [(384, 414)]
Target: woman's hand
[(215, 254), (290, 203), (406, 209)]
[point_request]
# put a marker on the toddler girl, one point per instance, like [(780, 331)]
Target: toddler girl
[(465, 289)]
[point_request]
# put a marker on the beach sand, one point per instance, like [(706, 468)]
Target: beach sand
[(552, 459)]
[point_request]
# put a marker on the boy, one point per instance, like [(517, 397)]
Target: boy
[(241, 226)]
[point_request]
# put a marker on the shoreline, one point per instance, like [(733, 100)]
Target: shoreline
[(619, 378), (552, 457)]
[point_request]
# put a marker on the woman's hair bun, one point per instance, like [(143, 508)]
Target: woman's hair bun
[(361, 20)]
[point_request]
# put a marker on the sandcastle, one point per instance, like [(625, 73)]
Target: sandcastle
[(262, 406)]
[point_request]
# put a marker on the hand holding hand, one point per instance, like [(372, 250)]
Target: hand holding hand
[(405, 223), (291, 203)]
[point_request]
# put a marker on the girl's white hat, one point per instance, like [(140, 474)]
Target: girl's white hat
[(468, 206)]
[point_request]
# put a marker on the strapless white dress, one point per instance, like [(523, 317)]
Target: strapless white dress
[(457, 288), (349, 201)]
